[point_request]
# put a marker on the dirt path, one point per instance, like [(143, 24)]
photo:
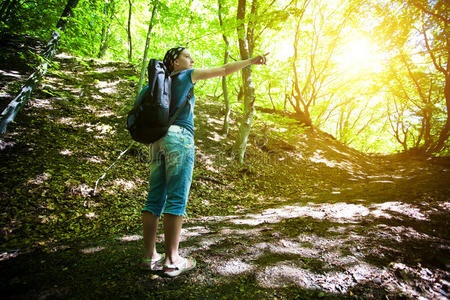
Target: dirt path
[(393, 246)]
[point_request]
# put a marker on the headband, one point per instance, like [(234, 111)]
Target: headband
[(171, 56)]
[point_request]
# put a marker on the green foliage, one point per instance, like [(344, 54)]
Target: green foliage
[(343, 98)]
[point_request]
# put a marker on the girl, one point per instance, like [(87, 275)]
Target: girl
[(173, 162)]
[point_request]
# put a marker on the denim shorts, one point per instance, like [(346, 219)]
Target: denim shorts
[(172, 163)]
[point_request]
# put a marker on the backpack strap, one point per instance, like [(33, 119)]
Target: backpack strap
[(178, 111)]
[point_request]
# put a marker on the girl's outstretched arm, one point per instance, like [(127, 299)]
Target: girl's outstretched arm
[(201, 74)]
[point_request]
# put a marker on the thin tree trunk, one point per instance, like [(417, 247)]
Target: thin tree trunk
[(9, 113), (302, 115), (226, 125), (249, 90), (445, 131), (106, 29), (130, 44), (104, 41), (147, 43), (270, 96)]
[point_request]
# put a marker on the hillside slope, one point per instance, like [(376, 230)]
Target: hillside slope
[(305, 216)]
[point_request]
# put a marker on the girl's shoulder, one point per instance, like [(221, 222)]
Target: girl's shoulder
[(184, 75)]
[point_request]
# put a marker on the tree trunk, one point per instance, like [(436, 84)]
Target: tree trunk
[(444, 69), (130, 44), (445, 131), (10, 112), (270, 96), (249, 90), (226, 126), (104, 41), (302, 115), (109, 11), (147, 43)]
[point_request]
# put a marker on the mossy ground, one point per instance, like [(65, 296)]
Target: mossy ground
[(306, 217)]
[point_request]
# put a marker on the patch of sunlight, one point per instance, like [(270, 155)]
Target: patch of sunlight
[(43, 219), (431, 290), (216, 137), (67, 72), (124, 184), (398, 233), (289, 247), (279, 275), (130, 238), (48, 84), (108, 90), (233, 267), (9, 255), (90, 204), (398, 207), (107, 87), (345, 165), (67, 121), (39, 179), (445, 205), (214, 121), (4, 145), (338, 212), (99, 113), (207, 160), (230, 231), (66, 152), (357, 177), (105, 70), (381, 181), (11, 73), (97, 97), (299, 156), (319, 158), (63, 55), (335, 191), (91, 215), (208, 242), (100, 128), (327, 246), (41, 103), (95, 159), (333, 282), (92, 250), (194, 231), (340, 152), (390, 176), (82, 189)]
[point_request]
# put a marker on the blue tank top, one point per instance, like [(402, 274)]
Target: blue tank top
[(181, 84)]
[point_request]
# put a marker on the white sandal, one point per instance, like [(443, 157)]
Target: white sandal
[(185, 265), (152, 261)]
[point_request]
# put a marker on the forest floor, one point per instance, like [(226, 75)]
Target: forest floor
[(305, 218)]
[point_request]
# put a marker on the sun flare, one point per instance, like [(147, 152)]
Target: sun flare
[(359, 54)]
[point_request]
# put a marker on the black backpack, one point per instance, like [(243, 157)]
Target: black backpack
[(152, 114)]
